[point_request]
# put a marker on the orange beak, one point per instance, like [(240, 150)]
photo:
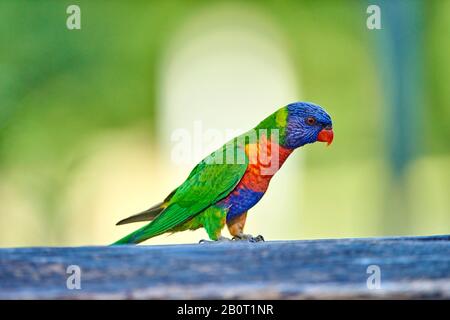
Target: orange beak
[(326, 135)]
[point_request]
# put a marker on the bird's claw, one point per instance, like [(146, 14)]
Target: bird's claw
[(249, 238), (219, 240), (241, 237), (258, 238)]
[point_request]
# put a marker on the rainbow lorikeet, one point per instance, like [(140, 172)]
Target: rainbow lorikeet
[(225, 185)]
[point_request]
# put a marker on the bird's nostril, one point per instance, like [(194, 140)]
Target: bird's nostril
[(328, 127)]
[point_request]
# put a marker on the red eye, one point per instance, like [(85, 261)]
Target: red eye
[(311, 121)]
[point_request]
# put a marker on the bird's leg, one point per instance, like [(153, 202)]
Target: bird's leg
[(236, 229)]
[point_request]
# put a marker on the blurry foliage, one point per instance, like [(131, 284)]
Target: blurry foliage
[(437, 65)]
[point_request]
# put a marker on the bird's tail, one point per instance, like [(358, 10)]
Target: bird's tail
[(169, 219), (133, 238), (147, 215)]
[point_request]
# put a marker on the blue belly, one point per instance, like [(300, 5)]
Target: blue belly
[(240, 201)]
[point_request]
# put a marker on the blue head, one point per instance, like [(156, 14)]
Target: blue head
[(307, 123)]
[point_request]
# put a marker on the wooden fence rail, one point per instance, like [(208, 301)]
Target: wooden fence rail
[(406, 267)]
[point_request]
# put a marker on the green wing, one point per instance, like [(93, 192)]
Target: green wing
[(209, 182)]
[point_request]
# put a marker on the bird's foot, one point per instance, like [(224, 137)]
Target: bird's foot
[(219, 240), (248, 237)]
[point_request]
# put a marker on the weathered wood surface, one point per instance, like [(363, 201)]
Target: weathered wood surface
[(415, 267)]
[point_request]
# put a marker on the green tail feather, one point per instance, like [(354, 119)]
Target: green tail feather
[(166, 221), (133, 238)]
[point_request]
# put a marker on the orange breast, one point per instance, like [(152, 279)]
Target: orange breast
[(265, 159)]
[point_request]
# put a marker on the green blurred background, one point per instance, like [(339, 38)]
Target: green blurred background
[(86, 115)]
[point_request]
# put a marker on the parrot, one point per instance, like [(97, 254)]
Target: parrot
[(226, 184)]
